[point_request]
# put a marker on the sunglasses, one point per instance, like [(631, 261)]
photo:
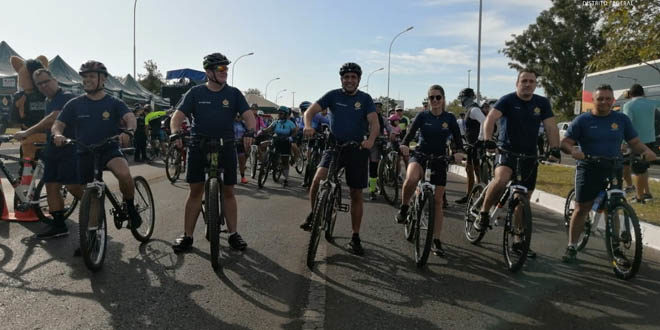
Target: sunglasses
[(221, 68), (41, 83), (436, 97)]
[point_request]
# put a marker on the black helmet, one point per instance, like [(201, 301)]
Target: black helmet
[(93, 66), (215, 59), (466, 93), (350, 67), (304, 105)]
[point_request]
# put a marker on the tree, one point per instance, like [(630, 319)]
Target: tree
[(632, 35), (153, 80), (455, 107), (253, 91), (558, 47)]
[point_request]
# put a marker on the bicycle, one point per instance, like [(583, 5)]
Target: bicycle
[(33, 196), (618, 215), (515, 195), (301, 160), (175, 162), (421, 214), (93, 226), (486, 166), (272, 163), (327, 202), (389, 171), (316, 145)]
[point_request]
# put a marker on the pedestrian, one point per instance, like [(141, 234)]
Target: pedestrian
[(140, 137)]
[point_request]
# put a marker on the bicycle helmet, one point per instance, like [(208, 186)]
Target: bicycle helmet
[(93, 66), (283, 109), (215, 59), (466, 94), (350, 67), (304, 105)]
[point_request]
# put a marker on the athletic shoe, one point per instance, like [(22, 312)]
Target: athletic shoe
[(462, 200), (53, 232), (182, 244), (570, 256), (244, 180), (437, 248), (355, 246), (236, 242)]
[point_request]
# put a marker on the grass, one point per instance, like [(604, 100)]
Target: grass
[(559, 180)]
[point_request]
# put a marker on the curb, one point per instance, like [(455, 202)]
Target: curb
[(650, 233)]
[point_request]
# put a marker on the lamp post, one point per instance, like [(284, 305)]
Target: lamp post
[(266, 89), (469, 72), (479, 55), (293, 99), (369, 76), (389, 55), (278, 94), (233, 73), (134, 6)]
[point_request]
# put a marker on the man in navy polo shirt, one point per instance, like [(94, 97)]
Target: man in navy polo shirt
[(352, 115), (597, 133), (213, 107), (61, 165), (522, 112), (96, 116)]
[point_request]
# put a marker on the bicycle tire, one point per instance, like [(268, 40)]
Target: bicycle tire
[(70, 202), (144, 201), (263, 172), (569, 207), (310, 169), (485, 172), (423, 242), (277, 171), (388, 180), (300, 162), (93, 245), (409, 225), (213, 221), (173, 164), (331, 214), (515, 260), (317, 225), (631, 222), (253, 163), (473, 236)]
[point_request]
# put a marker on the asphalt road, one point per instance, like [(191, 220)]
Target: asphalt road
[(268, 286)]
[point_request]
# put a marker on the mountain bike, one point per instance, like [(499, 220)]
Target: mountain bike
[(389, 172), (272, 163), (316, 145), (175, 162)]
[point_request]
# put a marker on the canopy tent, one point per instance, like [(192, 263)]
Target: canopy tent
[(263, 104), (194, 75), (135, 87), (8, 76), (67, 77)]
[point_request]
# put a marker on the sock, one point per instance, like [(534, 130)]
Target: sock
[(129, 203), (573, 245), (373, 182), (404, 207), (356, 236), (58, 218), (286, 173)]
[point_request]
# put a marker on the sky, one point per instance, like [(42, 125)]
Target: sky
[(302, 42)]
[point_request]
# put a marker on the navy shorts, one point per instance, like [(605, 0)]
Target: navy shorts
[(590, 179), (438, 169), (86, 162), (240, 148), (227, 160), (528, 168), (61, 165), (283, 146), (356, 162)]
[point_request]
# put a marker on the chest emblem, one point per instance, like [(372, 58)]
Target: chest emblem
[(225, 103), (106, 115), (537, 111), (445, 125), (358, 105), (615, 126), (5, 101)]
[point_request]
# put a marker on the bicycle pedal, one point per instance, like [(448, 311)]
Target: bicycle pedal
[(343, 207)]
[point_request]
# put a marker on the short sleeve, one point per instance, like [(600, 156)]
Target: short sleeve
[(68, 113), (574, 131), (629, 132), (502, 105), (369, 105), (546, 109), (121, 108), (188, 104), (325, 100)]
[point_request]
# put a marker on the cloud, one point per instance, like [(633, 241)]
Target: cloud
[(539, 4), (495, 30)]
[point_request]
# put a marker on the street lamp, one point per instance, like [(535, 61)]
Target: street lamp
[(389, 54), (369, 76), (479, 55), (266, 89), (278, 94), (293, 99), (469, 71), (134, 6), (233, 73)]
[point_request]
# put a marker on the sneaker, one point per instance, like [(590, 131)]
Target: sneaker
[(570, 256), (437, 248), (638, 200), (462, 200), (236, 242), (647, 197), (481, 223), (53, 232), (307, 224), (517, 248), (135, 219), (402, 215), (244, 180), (620, 258), (373, 196), (355, 246), (629, 189), (285, 183), (182, 244)]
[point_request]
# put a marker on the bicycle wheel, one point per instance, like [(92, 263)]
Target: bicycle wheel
[(300, 162), (263, 172), (569, 207), (253, 161), (70, 201), (310, 169), (623, 240), (423, 236), (331, 213), (318, 212), (277, 170), (409, 226), (213, 220), (144, 203), (92, 229), (388, 180), (173, 164), (485, 172), (515, 253), (475, 200)]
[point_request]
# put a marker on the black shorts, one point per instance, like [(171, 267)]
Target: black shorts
[(86, 162), (438, 169), (61, 165), (473, 154), (528, 167), (590, 179), (227, 161), (283, 146), (356, 162)]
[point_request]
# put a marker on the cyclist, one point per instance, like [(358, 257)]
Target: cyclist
[(352, 114), (521, 113), (404, 121), (94, 117), (153, 121), (597, 133), (239, 131), (212, 107), (296, 140), (377, 150), (284, 129), (435, 127), (474, 117), (60, 166)]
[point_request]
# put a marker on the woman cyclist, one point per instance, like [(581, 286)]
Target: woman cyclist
[(284, 129), (239, 131)]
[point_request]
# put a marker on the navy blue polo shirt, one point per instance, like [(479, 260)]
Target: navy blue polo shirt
[(520, 122), (348, 114), (434, 132), (212, 112), (57, 104), (601, 136), (93, 121)]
